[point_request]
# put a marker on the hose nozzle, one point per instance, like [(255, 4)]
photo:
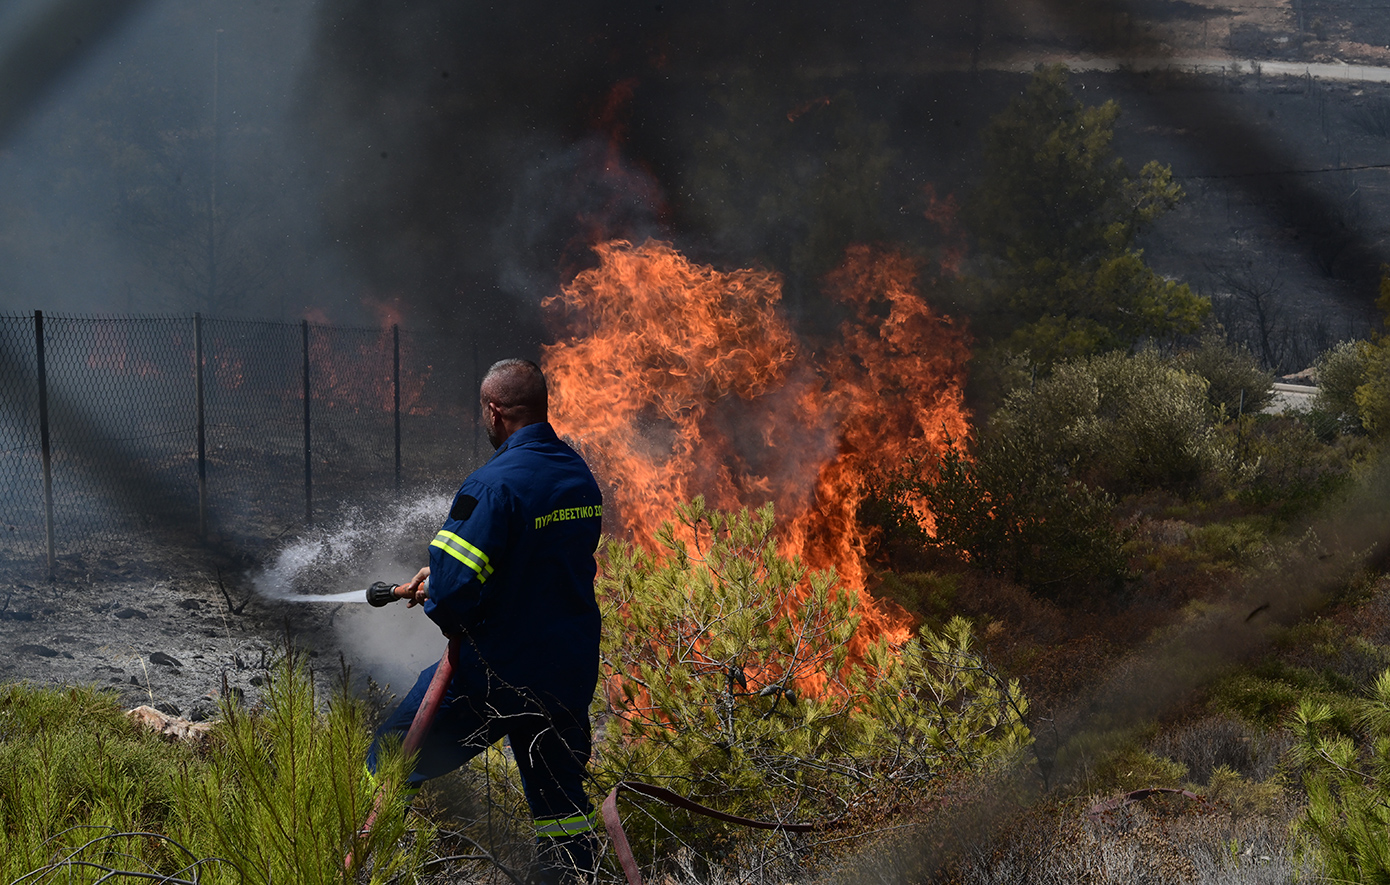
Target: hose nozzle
[(381, 593)]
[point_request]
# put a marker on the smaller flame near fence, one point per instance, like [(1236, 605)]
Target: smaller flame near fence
[(682, 379), (350, 371), (111, 352)]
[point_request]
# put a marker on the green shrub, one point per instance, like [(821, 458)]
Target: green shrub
[(1284, 464), (1268, 693), (736, 677), (1236, 384), (74, 768), (285, 791), (1354, 378), (1123, 423), (1237, 542), (1348, 811), (1340, 371), (1132, 768), (277, 796), (929, 594), (1008, 513), (1373, 395)]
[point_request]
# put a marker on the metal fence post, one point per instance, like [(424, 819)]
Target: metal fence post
[(396, 382), (477, 400), (44, 442), (308, 434), (202, 438)]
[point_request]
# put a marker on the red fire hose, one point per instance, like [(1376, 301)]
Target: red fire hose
[(419, 727), (381, 594)]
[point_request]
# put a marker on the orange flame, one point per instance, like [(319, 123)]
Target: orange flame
[(357, 375), (681, 379), (111, 352)]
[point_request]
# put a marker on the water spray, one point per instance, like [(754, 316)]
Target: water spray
[(379, 594)]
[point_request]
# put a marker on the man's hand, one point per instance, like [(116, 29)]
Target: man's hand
[(413, 591)]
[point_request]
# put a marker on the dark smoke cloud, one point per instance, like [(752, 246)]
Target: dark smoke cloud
[(483, 146), (457, 158), (137, 125), (463, 134)]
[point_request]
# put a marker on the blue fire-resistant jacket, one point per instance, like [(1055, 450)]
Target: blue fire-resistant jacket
[(513, 569)]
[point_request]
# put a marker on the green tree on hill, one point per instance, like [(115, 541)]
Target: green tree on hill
[(1054, 222), (1354, 378)]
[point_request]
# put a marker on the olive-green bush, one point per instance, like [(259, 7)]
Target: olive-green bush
[(1123, 423), (1236, 383), (1009, 512), (735, 676), (1340, 371)]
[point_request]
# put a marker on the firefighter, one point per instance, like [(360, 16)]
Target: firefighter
[(512, 573)]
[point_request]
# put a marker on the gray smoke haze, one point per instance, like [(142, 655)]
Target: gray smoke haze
[(456, 160), (158, 173)]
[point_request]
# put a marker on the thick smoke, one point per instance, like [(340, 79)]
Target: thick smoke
[(158, 170), (456, 160)]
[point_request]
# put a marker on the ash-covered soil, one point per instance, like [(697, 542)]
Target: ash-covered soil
[(177, 626)]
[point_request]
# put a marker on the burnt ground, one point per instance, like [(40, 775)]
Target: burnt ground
[(151, 623), (176, 625)]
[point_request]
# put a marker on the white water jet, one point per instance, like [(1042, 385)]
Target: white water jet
[(345, 596), (336, 562)]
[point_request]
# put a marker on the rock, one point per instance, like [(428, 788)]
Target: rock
[(172, 727), (166, 707), (160, 657), (127, 613), (42, 651), (191, 604)]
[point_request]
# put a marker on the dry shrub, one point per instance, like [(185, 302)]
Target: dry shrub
[(1222, 741), (1369, 619), (1152, 842)]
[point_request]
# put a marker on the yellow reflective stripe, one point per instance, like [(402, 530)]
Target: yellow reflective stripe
[(464, 552), (481, 556), (566, 826)]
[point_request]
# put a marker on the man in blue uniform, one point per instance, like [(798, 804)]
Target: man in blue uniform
[(512, 573)]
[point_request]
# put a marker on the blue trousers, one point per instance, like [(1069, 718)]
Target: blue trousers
[(551, 746)]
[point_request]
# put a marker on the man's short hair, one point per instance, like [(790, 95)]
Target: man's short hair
[(519, 383)]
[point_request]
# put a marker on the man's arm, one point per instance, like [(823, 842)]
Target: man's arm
[(462, 556), (416, 590)]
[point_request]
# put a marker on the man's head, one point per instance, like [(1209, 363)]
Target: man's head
[(514, 395)]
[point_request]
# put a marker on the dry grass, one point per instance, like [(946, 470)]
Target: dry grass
[(1216, 742), (1160, 843)]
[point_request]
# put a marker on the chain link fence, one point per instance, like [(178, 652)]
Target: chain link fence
[(223, 429)]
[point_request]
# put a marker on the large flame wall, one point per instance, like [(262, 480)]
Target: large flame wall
[(680, 379)]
